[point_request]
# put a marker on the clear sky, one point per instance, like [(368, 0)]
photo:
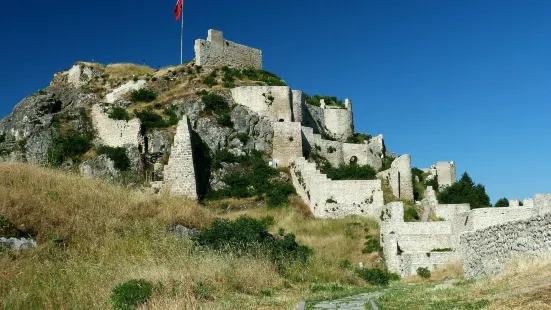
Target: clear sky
[(442, 80)]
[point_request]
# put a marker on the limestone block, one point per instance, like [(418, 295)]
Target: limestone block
[(180, 172), (215, 51)]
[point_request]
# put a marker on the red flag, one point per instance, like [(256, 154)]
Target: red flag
[(178, 9)]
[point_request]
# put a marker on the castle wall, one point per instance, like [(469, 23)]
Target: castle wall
[(287, 143), (431, 260), (122, 90), (528, 202), (335, 199), (313, 117), (338, 123), (115, 133), (485, 217), (399, 177), (257, 98), (449, 211), (179, 174), (487, 251), (215, 51)]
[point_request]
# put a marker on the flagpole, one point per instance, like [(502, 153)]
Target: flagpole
[(182, 37)]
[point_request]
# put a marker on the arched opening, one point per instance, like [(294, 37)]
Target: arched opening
[(353, 160), (281, 120)]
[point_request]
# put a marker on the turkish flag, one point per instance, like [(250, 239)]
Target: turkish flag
[(178, 9)]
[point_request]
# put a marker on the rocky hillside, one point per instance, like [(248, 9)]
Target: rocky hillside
[(55, 126)]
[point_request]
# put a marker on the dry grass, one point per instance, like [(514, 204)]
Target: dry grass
[(115, 234), (127, 71)]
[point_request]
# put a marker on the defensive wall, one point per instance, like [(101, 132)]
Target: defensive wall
[(215, 51), (473, 236), (287, 143), (115, 133), (335, 199), (444, 171)]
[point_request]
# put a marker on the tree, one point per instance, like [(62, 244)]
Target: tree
[(503, 202), (465, 191)]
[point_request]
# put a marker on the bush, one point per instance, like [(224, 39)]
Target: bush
[(129, 295), (350, 172), (214, 103), (411, 214), (143, 95), (71, 145), (246, 235), (120, 114), (316, 100), (150, 119), (210, 80), (387, 163), (465, 191), (358, 138), (423, 272), (253, 178), (376, 276), (371, 245), (117, 155), (224, 119)]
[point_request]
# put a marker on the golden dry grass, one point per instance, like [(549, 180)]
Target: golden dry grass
[(115, 234), (127, 71)]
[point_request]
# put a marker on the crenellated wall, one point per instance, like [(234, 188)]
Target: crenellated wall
[(215, 51), (335, 199)]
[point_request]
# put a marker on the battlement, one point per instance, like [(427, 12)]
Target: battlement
[(215, 52)]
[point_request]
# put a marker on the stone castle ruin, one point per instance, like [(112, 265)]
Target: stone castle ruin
[(277, 120)]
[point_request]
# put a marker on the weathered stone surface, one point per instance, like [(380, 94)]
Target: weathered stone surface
[(212, 134), (158, 142), (115, 133), (99, 167), (182, 231), (399, 177), (122, 90)]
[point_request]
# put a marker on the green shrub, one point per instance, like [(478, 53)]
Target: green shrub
[(411, 214), (345, 264), (129, 295), (371, 245), (224, 119), (316, 100), (150, 119), (250, 236), (201, 290), (358, 138), (143, 95), (2, 138), (117, 155), (349, 172), (423, 272), (465, 191), (253, 178), (118, 113), (214, 103), (71, 145), (210, 80), (331, 150), (387, 163), (375, 276)]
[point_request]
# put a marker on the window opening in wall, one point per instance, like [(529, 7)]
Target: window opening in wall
[(399, 250), (353, 160), (399, 186), (227, 44), (281, 120)]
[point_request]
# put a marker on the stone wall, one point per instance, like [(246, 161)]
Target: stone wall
[(287, 143), (115, 133), (215, 51), (298, 102), (335, 199), (399, 177), (487, 251), (485, 217), (122, 90), (273, 102), (179, 174)]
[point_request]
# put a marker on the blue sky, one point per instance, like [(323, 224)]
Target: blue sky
[(468, 81)]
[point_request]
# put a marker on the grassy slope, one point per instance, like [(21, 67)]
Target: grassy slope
[(114, 234)]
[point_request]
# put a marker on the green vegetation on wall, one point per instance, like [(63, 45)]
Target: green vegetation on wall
[(150, 119), (358, 138), (143, 95), (349, 172), (118, 113), (117, 155), (329, 100)]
